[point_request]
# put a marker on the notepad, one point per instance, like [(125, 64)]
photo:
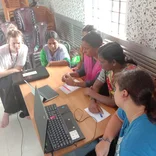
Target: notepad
[(69, 89), (97, 116)]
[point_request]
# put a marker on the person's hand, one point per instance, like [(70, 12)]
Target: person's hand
[(89, 91), (74, 69), (64, 77), (94, 107), (69, 81), (15, 70), (48, 65), (102, 148)]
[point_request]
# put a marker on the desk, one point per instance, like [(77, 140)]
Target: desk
[(74, 100)]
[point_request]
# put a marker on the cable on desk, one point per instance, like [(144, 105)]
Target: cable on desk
[(81, 120), (22, 134)]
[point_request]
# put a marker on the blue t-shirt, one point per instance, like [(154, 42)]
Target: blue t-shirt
[(137, 138)]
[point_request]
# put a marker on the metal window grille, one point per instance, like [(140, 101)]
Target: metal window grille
[(108, 16)]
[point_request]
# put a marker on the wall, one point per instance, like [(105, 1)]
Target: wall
[(70, 8), (141, 22)]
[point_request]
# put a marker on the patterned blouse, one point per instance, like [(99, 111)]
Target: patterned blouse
[(108, 77)]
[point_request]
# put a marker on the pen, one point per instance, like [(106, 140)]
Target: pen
[(101, 115)]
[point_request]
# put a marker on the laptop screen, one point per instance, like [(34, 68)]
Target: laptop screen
[(40, 118)]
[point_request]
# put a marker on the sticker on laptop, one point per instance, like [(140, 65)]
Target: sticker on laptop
[(74, 134), (29, 73)]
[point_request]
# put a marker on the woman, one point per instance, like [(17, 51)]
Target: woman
[(91, 66), (85, 31), (54, 53), (135, 119), (112, 60), (12, 59)]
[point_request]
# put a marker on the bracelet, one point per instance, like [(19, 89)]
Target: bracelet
[(105, 139)]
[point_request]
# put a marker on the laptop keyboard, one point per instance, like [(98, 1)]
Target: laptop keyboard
[(57, 131)]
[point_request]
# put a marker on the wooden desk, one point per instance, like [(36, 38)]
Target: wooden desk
[(74, 100)]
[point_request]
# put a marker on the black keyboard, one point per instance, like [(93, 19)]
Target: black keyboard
[(57, 130)]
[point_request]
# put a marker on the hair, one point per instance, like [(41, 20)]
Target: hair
[(52, 34), (13, 32), (113, 51), (140, 87), (93, 39), (88, 28)]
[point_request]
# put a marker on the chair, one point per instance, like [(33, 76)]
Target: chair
[(2, 37), (9, 6), (43, 14), (66, 44), (4, 26), (41, 30), (25, 19)]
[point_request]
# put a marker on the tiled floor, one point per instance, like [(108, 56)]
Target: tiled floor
[(11, 136)]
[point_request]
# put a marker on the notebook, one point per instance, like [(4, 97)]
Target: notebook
[(46, 92)]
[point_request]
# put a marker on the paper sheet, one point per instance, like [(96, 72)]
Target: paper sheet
[(99, 116), (69, 89)]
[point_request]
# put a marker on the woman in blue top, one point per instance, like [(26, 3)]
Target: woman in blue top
[(135, 119), (54, 53)]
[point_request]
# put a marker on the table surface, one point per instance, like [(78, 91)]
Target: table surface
[(74, 100)]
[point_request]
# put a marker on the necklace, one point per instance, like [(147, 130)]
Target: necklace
[(12, 61)]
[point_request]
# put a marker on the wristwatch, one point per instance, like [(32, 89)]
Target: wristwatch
[(105, 139)]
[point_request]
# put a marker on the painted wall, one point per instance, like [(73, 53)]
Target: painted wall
[(141, 22), (71, 8)]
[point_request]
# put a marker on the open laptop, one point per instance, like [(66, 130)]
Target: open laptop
[(30, 75), (49, 128), (46, 92)]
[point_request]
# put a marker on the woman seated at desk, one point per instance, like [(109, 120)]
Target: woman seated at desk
[(12, 59), (91, 66), (112, 60), (135, 119), (54, 53)]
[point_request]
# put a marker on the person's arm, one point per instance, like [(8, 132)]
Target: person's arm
[(78, 73), (58, 63), (43, 58), (113, 127), (10, 71), (70, 81), (93, 92)]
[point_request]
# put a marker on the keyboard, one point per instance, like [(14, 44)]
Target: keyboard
[(57, 130)]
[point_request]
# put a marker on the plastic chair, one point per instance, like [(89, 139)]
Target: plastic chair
[(25, 19), (43, 14), (66, 44), (2, 37), (41, 30), (4, 26)]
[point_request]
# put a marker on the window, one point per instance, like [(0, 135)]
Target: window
[(108, 16)]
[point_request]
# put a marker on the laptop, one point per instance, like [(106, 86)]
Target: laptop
[(54, 135), (30, 75), (46, 92)]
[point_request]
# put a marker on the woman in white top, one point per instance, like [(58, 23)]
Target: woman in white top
[(12, 59)]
